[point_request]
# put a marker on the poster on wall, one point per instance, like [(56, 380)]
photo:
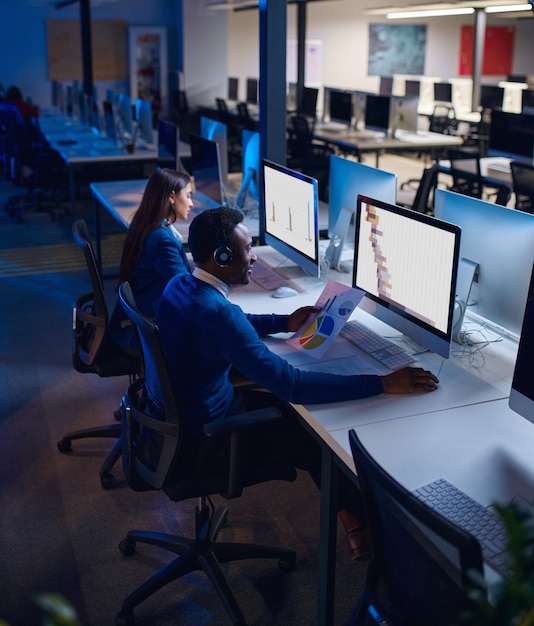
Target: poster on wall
[(313, 62), (148, 66), (396, 49), (498, 51)]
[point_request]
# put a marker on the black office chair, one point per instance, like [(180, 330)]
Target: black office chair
[(94, 352), (244, 119), (523, 185), (443, 119), (29, 162), (423, 199), (422, 566), (153, 450), (299, 140)]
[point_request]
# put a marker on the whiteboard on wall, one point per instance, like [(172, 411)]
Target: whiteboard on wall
[(313, 75), (108, 46)]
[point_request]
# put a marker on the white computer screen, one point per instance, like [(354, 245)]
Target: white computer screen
[(407, 264), (291, 215)]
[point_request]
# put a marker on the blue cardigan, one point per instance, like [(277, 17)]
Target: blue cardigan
[(204, 335), (162, 258)]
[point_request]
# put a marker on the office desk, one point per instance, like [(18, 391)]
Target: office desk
[(387, 422), (353, 142), (495, 171)]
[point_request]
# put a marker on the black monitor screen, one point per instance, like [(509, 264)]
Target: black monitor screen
[(206, 167), (233, 85), (511, 134), (377, 113), (412, 88), (491, 96), (308, 101), (252, 91), (386, 85), (341, 106), (517, 78), (443, 92)]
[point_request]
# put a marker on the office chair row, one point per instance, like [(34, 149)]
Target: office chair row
[(28, 160)]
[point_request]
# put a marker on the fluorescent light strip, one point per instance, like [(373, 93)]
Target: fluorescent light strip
[(400, 15), (510, 7)]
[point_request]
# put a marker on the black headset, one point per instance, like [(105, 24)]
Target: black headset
[(223, 254)]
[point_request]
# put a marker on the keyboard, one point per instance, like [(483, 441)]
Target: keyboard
[(387, 352), (480, 521), (265, 276)]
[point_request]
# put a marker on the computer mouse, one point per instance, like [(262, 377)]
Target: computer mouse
[(284, 292)]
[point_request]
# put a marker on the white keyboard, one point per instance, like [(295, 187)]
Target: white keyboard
[(386, 352), (480, 521), (265, 276)]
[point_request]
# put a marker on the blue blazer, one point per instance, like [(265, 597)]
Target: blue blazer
[(162, 258)]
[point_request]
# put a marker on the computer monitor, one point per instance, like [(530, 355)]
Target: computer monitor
[(443, 92), (403, 113), (308, 101), (500, 240), (412, 87), (491, 96), (406, 263), (527, 101), (252, 91), (250, 142), (206, 168), (143, 116), (340, 106), (348, 178), (168, 142), (377, 113), (516, 78), (125, 113), (110, 124), (291, 215), (522, 391), (217, 131), (386, 86), (511, 135), (233, 89)]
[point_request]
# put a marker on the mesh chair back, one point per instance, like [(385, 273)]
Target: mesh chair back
[(425, 189), (91, 313), (151, 428), (466, 174), (422, 564)]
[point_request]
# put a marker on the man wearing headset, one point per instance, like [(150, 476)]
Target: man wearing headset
[(205, 335)]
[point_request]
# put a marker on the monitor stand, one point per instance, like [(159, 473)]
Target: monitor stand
[(332, 256), (467, 271)]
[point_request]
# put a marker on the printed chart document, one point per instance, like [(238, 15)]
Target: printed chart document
[(337, 302)]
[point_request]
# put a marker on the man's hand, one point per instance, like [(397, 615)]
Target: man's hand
[(409, 380), (299, 317)]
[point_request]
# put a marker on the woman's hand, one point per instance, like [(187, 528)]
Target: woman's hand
[(409, 380), (299, 317)]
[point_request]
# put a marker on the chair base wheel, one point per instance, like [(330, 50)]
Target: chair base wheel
[(107, 481), (127, 547), (64, 446), (124, 618)]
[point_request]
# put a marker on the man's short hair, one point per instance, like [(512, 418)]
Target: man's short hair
[(205, 230)]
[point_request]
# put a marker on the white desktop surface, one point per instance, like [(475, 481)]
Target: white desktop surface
[(463, 381)]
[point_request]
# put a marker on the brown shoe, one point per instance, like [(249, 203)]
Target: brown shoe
[(359, 544)]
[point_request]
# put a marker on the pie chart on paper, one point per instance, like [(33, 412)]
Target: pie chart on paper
[(317, 332), (345, 308)]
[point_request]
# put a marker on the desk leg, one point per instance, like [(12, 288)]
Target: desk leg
[(327, 540)]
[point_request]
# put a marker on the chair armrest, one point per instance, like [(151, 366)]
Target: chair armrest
[(241, 421)]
